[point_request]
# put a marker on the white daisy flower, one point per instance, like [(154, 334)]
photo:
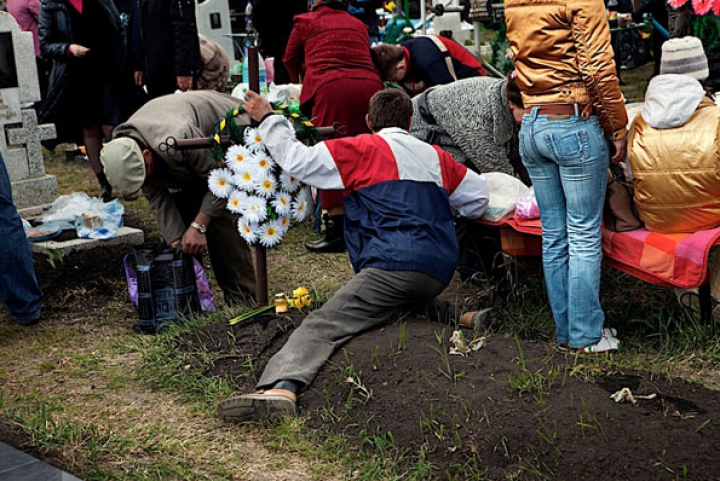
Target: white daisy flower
[(253, 139), (265, 163), (266, 187), (284, 222), (288, 182), (220, 182), (236, 201), (282, 203), (256, 209), (246, 178), (299, 210), (270, 234), (247, 231), (236, 157)]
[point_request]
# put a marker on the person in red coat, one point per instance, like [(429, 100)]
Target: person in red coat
[(329, 50)]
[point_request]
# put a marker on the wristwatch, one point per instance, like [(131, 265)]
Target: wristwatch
[(201, 228)]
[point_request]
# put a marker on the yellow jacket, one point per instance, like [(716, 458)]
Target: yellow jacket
[(674, 153), (562, 53)]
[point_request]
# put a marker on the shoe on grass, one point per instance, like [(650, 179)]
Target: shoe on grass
[(605, 344), (608, 334), (271, 405)]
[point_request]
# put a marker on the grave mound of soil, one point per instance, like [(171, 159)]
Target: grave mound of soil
[(512, 410)]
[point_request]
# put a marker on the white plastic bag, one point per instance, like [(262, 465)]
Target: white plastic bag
[(92, 218), (504, 192)]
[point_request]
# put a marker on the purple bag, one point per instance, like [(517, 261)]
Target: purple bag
[(205, 295)]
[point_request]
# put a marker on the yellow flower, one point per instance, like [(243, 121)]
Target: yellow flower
[(222, 125), (235, 112), (294, 115), (307, 123), (301, 298), (217, 138)]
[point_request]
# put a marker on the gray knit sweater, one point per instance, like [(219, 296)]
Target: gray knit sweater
[(474, 122)]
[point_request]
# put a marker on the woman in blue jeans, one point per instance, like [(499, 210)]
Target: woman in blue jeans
[(19, 287), (574, 115)]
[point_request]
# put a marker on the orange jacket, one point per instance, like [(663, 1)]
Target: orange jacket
[(562, 53)]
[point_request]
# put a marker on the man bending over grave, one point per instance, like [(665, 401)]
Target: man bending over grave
[(141, 157), (399, 233)]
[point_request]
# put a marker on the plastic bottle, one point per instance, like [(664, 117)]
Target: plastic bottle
[(262, 74)]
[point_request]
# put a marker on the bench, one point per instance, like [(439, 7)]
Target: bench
[(666, 260)]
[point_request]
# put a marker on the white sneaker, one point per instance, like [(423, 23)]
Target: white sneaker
[(609, 332), (607, 343)]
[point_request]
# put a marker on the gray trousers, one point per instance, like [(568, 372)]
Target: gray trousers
[(371, 298)]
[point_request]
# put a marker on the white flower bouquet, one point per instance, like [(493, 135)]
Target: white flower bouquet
[(254, 186)]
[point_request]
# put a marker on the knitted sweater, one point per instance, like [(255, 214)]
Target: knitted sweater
[(473, 122)]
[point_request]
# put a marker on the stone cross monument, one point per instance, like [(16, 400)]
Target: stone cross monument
[(20, 133)]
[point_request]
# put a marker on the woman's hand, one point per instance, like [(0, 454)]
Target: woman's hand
[(77, 50)]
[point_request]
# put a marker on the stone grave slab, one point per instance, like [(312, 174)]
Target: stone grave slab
[(125, 235), (18, 466)]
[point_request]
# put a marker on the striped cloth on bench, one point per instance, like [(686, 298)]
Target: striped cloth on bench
[(667, 260)]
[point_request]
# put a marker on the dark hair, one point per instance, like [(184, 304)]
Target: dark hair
[(709, 93), (513, 91), (336, 4), (386, 57), (390, 108)]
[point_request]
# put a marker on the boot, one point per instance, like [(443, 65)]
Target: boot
[(334, 238), (105, 187)]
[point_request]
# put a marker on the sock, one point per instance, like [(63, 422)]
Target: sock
[(288, 385)]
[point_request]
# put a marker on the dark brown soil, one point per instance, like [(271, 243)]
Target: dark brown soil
[(461, 414), (515, 409)]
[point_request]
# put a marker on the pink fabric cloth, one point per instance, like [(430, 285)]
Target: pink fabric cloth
[(667, 260), (26, 13)]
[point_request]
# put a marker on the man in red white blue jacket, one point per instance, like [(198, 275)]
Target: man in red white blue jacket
[(399, 231)]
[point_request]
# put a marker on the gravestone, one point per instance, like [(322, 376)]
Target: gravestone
[(20, 133)]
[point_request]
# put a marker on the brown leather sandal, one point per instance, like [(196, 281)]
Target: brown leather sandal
[(271, 405)]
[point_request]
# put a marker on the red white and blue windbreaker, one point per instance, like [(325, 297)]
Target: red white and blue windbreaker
[(398, 193)]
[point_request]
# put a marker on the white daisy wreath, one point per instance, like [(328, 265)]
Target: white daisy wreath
[(253, 184)]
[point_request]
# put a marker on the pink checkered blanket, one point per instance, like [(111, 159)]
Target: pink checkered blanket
[(667, 260)]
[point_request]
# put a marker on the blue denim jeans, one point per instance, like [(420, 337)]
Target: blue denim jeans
[(19, 287), (567, 160)]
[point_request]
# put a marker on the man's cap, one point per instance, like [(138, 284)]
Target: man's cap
[(124, 165), (684, 56)]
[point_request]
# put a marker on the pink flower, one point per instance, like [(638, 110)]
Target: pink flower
[(716, 8), (677, 3), (701, 7)]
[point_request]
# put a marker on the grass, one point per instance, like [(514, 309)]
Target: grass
[(137, 408)]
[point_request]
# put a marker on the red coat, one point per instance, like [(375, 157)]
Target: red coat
[(326, 45)]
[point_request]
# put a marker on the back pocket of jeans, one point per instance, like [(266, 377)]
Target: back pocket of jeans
[(569, 148)]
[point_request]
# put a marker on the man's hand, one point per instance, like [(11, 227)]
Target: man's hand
[(620, 150), (138, 76), (256, 106), (193, 242), (184, 82), (77, 50)]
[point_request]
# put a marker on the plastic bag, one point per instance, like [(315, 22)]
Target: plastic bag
[(504, 192), (526, 207), (163, 287), (92, 218)]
